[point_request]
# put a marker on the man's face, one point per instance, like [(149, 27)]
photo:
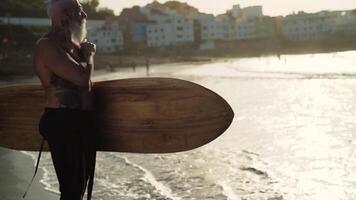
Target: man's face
[(77, 23), (78, 12)]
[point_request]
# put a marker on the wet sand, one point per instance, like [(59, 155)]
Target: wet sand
[(16, 171)]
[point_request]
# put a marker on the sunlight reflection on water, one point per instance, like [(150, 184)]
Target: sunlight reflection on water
[(293, 136)]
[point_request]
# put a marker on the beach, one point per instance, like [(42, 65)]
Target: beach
[(16, 172), (293, 137)]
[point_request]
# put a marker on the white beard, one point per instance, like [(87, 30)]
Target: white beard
[(78, 32)]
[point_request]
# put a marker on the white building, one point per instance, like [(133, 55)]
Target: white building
[(25, 21), (256, 28), (42, 22), (236, 11), (228, 26), (246, 29), (246, 13), (252, 12), (211, 28), (170, 32), (304, 26), (346, 23), (107, 39)]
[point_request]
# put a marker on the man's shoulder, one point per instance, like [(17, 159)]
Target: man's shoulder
[(47, 47), (44, 43)]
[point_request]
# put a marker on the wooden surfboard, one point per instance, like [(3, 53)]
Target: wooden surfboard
[(138, 115)]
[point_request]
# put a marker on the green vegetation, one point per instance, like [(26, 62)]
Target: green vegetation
[(91, 7), (22, 37), (181, 8), (23, 8), (37, 8)]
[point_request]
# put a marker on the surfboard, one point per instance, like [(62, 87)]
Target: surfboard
[(137, 115)]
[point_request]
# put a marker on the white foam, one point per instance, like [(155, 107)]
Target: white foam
[(34, 157), (227, 191), (164, 190), (45, 179)]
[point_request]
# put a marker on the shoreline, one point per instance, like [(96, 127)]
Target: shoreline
[(126, 63), (16, 172)]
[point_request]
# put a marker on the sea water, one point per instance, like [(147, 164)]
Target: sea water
[(293, 136)]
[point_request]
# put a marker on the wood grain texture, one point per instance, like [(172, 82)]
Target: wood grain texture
[(139, 115)]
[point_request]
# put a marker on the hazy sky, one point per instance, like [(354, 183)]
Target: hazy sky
[(270, 7)]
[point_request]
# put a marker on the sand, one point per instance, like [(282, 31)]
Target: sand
[(16, 171)]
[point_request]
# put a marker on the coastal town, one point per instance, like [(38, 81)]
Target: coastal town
[(176, 32), (174, 24)]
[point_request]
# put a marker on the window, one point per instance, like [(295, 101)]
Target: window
[(179, 28)]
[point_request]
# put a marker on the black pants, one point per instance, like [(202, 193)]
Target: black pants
[(71, 138)]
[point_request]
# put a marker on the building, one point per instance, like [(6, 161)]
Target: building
[(42, 22), (107, 38), (158, 13), (245, 13), (257, 28), (305, 26), (211, 28), (25, 21), (236, 11), (171, 32), (138, 31), (345, 24), (130, 26), (252, 12)]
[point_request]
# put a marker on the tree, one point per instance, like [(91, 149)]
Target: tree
[(353, 11), (37, 8), (91, 7), (181, 8), (23, 8)]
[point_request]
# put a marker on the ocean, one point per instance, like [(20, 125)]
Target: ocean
[(293, 136)]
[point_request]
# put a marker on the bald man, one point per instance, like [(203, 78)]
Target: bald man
[(64, 63)]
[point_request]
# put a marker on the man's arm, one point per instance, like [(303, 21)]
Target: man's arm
[(62, 64), (88, 51)]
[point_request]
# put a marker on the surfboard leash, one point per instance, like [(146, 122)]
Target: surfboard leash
[(38, 162)]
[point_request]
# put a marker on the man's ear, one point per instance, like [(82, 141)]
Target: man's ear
[(65, 23), (66, 16)]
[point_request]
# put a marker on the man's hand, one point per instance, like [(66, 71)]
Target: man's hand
[(88, 51)]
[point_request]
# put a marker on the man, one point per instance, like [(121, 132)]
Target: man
[(64, 63)]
